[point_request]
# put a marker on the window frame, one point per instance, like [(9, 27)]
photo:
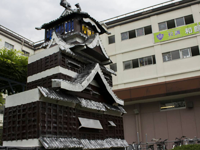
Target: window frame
[(147, 61), (25, 53), (165, 24), (138, 60), (127, 34), (109, 39), (131, 63), (189, 50), (6, 43), (137, 33), (175, 22), (180, 53)]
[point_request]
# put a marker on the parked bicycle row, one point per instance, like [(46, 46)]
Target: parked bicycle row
[(159, 144)]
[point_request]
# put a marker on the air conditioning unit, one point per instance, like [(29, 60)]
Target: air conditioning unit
[(189, 104)]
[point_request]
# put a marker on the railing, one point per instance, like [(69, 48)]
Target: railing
[(140, 10), (21, 37), (16, 34)]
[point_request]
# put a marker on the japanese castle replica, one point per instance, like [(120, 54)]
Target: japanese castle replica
[(69, 103)]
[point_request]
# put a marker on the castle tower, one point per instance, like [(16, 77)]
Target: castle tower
[(68, 102)]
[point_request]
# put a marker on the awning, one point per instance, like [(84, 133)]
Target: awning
[(90, 123), (62, 143)]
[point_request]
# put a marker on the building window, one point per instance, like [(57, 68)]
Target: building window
[(9, 46), (195, 50), (175, 55), (136, 33), (128, 65), (111, 39), (176, 22), (180, 21), (25, 53), (172, 104), (124, 36), (113, 67), (186, 53), (181, 54), (162, 26), (140, 32), (135, 63)]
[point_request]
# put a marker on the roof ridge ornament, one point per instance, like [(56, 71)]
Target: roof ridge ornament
[(68, 9), (65, 4)]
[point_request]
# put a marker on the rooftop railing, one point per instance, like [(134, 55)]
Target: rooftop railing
[(21, 37), (140, 10)]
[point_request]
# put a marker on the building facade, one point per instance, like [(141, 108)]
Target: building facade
[(155, 53), (12, 40)]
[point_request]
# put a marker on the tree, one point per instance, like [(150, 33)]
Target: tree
[(14, 67), (2, 101)]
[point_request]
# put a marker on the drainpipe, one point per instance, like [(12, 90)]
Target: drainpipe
[(22, 44), (138, 123)]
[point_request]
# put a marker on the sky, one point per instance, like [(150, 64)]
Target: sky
[(22, 16)]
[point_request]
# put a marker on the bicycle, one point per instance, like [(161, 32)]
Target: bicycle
[(178, 142), (161, 145), (135, 146), (150, 146)]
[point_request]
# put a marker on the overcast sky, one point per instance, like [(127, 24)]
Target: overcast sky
[(22, 16)]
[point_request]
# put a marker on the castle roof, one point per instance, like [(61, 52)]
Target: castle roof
[(82, 81)]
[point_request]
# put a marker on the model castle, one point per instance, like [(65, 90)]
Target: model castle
[(68, 102)]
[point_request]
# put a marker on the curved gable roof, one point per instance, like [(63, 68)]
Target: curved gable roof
[(83, 80)]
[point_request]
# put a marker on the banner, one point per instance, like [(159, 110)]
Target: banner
[(177, 32)]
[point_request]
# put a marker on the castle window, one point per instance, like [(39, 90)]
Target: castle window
[(72, 25), (69, 26)]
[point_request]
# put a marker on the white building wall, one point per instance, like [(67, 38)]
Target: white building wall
[(17, 46), (144, 46)]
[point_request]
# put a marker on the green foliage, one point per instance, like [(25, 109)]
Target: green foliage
[(188, 147), (2, 101), (13, 65)]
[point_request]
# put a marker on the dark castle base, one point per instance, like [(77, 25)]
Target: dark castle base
[(37, 119)]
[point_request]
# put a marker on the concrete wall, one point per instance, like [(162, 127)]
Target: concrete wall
[(167, 124), (144, 46)]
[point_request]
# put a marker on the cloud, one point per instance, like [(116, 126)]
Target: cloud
[(22, 16)]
